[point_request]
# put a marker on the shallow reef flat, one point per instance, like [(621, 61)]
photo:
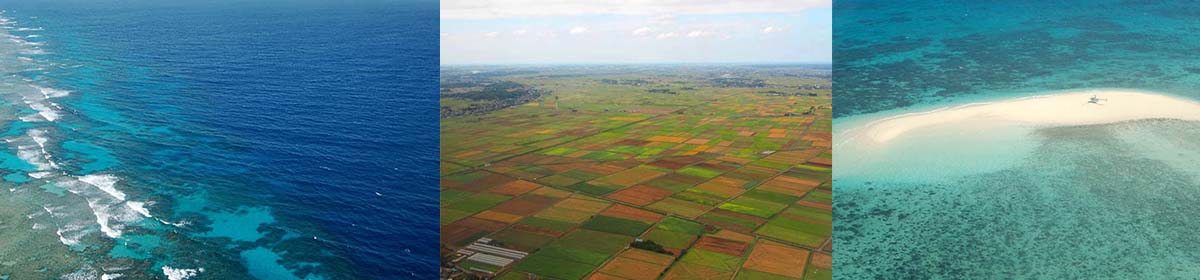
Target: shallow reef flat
[(1110, 200)]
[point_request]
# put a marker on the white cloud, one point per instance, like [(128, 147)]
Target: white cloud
[(487, 9), (578, 30), (771, 29), (641, 31), (492, 34), (699, 33), (520, 32), (667, 35)]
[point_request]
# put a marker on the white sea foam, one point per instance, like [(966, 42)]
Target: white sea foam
[(29, 29), (107, 203), (44, 111), (110, 276), (41, 174), (32, 155), (139, 207), (33, 51), (104, 182), (180, 273), (103, 217), (33, 150), (64, 240), (51, 92), (84, 273), (39, 137), (73, 227), (176, 224)]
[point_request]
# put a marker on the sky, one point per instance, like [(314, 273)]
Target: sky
[(635, 31)]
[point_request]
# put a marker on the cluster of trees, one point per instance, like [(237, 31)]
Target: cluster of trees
[(649, 245), (780, 93), (739, 82), (490, 96), (625, 82), (662, 90), (493, 91)]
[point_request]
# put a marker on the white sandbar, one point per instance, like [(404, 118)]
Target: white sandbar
[(1061, 109)]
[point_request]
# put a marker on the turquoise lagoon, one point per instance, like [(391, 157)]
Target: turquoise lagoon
[(1100, 201)]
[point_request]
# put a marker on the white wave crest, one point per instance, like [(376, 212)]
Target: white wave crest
[(180, 273), (139, 207), (107, 203), (44, 110), (52, 92), (104, 182), (33, 149)]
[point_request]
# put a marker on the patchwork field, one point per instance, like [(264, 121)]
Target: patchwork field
[(636, 172)]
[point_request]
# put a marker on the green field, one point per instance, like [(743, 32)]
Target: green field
[(571, 164)]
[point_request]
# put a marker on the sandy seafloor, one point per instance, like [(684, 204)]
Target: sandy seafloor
[(999, 198)]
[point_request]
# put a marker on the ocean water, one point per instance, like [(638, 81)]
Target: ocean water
[(218, 139), (1108, 201), (893, 54)]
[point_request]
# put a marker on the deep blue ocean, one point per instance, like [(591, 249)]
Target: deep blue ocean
[(219, 139)]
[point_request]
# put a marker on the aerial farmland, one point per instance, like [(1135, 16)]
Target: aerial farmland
[(636, 172)]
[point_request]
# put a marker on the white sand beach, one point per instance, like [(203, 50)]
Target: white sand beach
[(986, 136), (1061, 109)]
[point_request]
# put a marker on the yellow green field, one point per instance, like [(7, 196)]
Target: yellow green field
[(721, 170)]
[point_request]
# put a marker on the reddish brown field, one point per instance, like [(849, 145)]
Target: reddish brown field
[(755, 219), (630, 177), (669, 164), (631, 142), (585, 205), (822, 260), (551, 192), (622, 211), (515, 188), (724, 186), (460, 232), (667, 139), (728, 247), (776, 258), (815, 205), (563, 214), (647, 256), (685, 271), (789, 185), (633, 269), (525, 205), (540, 231), (502, 217), (602, 276), (640, 195)]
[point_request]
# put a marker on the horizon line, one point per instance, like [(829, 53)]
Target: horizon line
[(636, 63)]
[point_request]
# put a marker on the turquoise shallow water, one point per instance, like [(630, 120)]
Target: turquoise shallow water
[(898, 54), (1089, 202), (1111, 201)]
